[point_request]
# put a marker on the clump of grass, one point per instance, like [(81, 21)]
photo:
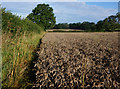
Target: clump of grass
[(19, 39), (83, 72)]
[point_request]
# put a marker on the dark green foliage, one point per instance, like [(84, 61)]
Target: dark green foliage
[(88, 26), (75, 25), (110, 24), (19, 39), (82, 26), (15, 24), (43, 14), (61, 26), (99, 26)]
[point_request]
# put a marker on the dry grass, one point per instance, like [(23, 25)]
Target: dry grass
[(64, 30), (16, 55)]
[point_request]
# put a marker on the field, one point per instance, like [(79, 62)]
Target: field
[(79, 60), (64, 30)]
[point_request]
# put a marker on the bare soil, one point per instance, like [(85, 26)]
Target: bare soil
[(78, 60)]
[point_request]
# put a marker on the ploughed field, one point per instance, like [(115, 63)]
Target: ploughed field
[(78, 60)]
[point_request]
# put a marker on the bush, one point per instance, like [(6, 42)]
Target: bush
[(19, 39)]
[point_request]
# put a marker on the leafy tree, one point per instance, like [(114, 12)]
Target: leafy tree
[(85, 26), (62, 26), (75, 25), (111, 23), (92, 27), (99, 26), (43, 15), (118, 20)]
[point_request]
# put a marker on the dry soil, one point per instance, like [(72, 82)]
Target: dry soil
[(78, 60)]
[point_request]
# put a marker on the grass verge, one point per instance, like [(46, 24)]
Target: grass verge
[(19, 40), (17, 54)]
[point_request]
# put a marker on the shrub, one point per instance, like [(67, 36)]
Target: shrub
[(19, 39)]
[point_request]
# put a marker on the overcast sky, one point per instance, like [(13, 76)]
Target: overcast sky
[(68, 12)]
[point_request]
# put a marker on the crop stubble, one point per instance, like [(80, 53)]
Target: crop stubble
[(78, 60)]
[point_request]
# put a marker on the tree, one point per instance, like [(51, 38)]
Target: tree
[(85, 26), (111, 23), (99, 26), (75, 25), (61, 26), (43, 15)]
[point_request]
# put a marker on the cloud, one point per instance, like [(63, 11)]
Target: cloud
[(19, 8), (39, 1), (98, 0), (60, 0), (65, 12), (78, 11)]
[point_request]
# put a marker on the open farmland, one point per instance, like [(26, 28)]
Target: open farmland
[(79, 60), (64, 30)]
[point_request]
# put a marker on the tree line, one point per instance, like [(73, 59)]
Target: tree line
[(112, 23), (43, 15)]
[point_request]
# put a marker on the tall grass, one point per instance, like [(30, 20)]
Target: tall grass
[(19, 39)]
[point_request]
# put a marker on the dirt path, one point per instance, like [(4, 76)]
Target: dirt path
[(79, 60)]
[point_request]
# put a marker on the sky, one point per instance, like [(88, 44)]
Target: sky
[(68, 12), (59, 0)]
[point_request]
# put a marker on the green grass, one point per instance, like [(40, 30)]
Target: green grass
[(16, 56), (20, 38)]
